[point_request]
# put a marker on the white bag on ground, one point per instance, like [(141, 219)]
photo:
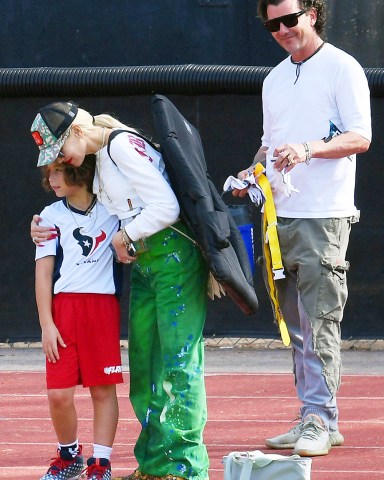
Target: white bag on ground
[(257, 465)]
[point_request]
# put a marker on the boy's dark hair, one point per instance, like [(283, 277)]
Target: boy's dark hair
[(74, 175), (318, 5)]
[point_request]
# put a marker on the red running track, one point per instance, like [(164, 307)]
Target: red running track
[(243, 409)]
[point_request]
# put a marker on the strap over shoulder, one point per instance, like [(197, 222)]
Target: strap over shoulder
[(116, 132)]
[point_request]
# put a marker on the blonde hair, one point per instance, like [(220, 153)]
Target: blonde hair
[(86, 121)]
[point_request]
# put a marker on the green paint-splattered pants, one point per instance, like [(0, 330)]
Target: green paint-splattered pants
[(166, 356)]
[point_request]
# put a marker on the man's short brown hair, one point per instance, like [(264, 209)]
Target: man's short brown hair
[(318, 5)]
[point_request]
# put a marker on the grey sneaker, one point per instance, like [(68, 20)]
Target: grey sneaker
[(336, 438), (286, 440), (314, 439), (289, 439)]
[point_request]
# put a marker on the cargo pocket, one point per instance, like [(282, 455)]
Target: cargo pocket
[(333, 291)]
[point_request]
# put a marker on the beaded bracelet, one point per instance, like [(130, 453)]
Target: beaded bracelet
[(308, 152)]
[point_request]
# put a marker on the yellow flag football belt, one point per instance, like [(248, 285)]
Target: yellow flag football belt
[(271, 249)]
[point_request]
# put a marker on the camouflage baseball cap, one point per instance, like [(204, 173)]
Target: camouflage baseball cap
[(51, 128)]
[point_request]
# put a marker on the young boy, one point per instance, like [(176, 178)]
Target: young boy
[(77, 281)]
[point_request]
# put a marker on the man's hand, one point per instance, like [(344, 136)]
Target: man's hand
[(260, 157), (289, 155), (243, 192)]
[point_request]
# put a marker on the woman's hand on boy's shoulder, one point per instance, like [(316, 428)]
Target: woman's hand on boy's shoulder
[(41, 234)]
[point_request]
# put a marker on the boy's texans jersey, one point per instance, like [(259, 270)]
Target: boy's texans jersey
[(84, 262)]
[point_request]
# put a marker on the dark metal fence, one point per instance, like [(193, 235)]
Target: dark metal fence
[(141, 80)]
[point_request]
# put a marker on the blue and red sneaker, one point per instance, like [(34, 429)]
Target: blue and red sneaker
[(65, 466), (98, 469)]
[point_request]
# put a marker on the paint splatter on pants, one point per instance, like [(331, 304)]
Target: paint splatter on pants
[(166, 356)]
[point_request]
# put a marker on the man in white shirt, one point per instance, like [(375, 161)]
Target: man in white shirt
[(316, 117)]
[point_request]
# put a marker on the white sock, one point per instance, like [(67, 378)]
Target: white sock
[(72, 447), (101, 451)]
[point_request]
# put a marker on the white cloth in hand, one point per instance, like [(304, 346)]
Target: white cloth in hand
[(284, 184), (254, 190)]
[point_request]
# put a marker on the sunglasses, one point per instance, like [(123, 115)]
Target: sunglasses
[(288, 21)]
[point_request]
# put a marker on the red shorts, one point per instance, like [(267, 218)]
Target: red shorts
[(90, 326)]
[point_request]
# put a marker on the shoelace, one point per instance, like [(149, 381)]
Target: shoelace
[(311, 430), (95, 471), (58, 464), (297, 420)]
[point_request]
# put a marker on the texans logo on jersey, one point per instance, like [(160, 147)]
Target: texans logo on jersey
[(87, 243)]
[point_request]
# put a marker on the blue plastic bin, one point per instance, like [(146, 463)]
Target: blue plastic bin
[(242, 217)]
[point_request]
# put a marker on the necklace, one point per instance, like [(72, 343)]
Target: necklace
[(88, 213), (298, 64), (102, 190)]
